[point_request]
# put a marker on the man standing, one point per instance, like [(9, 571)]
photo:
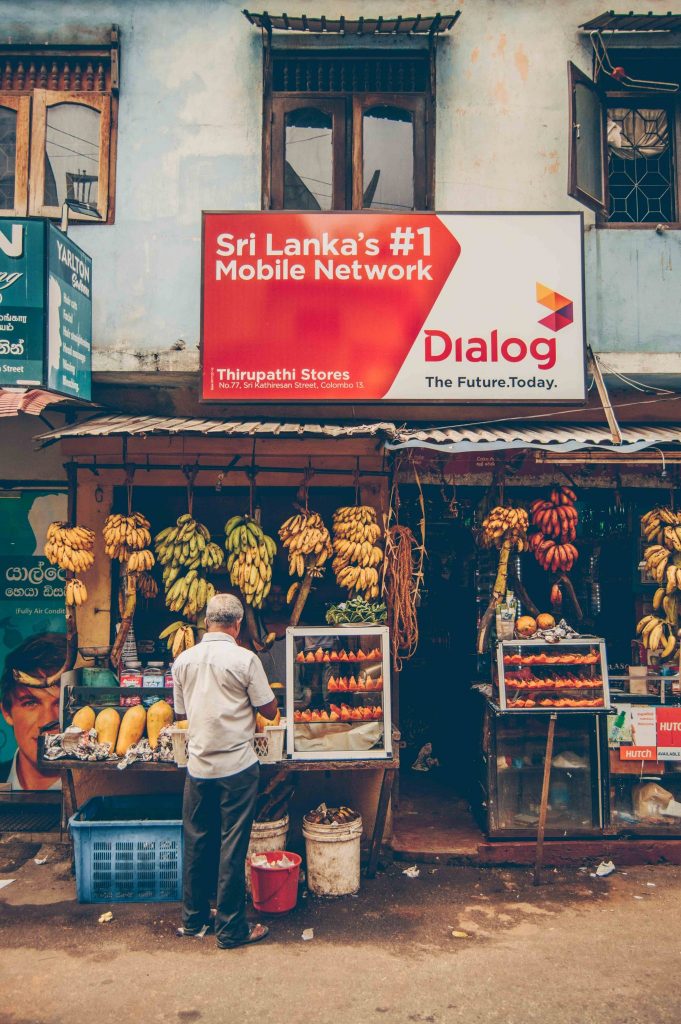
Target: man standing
[(218, 688)]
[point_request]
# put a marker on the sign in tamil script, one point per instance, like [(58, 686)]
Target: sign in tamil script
[(403, 307), (45, 309)]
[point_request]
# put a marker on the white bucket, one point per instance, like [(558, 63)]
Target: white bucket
[(265, 836), (332, 854)]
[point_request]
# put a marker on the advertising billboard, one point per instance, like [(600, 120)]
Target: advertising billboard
[(404, 307), (45, 309)]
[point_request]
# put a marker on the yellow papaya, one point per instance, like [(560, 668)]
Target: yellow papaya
[(107, 724), (159, 715), (184, 724), (84, 718), (132, 729), (261, 723)]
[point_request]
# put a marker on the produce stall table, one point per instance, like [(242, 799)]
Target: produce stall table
[(282, 769)]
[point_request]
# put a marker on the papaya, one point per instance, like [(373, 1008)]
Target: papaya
[(159, 715), (84, 718), (107, 725), (132, 729), (261, 723)]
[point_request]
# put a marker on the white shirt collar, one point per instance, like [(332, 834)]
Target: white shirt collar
[(209, 637), (13, 778)]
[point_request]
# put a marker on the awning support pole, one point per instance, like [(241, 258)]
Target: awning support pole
[(592, 363)]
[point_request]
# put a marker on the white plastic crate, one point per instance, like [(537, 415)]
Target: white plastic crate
[(269, 745), (180, 743)]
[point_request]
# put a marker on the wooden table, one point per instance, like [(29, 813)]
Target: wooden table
[(389, 767)]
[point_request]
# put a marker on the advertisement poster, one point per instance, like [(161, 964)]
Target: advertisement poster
[(22, 314), (69, 315), (45, 309), (669, 734), (404, 307), (32, 642)]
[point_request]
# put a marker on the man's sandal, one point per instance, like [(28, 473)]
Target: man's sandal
[(256, 934)]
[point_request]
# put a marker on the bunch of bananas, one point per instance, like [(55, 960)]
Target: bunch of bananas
[(657, 559), (551, 555), (69, 547), (189, 594), (76, 592), (125, 534), (505, 524), (357, 553), (180, 636), (303, 535), (187, 544), (657, 635), (184, 550), (558, 517), (250, 556), (654, 525), (147, 585), (141, 561)]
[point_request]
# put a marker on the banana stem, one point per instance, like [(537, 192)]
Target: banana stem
[(303, 593), (126, 620), (567, 583), (525, 599), (252, 627), (498, 593)]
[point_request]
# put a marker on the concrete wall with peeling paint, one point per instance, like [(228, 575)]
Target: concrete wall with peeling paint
[(190, 139)]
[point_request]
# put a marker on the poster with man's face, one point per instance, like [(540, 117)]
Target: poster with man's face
[(32, 641)]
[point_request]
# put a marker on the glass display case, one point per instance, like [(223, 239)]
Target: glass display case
[(644, 740), (338, 692), (532, 675), (514, 750)]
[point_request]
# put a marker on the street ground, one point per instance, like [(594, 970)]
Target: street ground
[(577, 950)]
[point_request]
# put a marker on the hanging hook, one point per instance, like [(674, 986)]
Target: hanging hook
[(129, 482), (356, 481), (190, 474)]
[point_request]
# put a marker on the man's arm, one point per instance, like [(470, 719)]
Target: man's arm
[(268, 711), (259, 693), (178, 700)]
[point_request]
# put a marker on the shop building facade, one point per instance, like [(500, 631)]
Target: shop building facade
[(189, 107)]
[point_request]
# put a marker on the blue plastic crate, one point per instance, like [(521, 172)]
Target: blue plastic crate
[(128, 849)]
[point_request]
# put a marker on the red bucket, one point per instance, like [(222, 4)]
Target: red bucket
[(275, 889)]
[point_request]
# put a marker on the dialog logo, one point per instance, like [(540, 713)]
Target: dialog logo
[(561, 314)]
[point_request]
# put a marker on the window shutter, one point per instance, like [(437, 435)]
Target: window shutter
[(587, 153)]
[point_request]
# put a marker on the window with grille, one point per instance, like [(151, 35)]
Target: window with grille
[(349, 131), (58, 111)]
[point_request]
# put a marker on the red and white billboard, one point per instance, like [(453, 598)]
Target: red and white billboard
[(406, 307)]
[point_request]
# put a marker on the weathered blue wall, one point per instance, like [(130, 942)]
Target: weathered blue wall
[(190, 139)]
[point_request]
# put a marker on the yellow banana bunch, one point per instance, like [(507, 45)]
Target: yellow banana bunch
[(656, 558), (69, 547), (185, 551), (124, 534), (250, 556), (657, 635), (358, 554), (180, 637), (308, 543), (653, 525), (141, 561), (505, 524), (76, 592)]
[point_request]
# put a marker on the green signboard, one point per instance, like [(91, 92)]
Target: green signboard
[(45, 309)]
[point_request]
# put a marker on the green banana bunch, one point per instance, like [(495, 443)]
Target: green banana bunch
[(186, 551), (250, 556)]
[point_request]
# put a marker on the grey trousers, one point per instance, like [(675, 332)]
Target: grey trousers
[(211, 806)]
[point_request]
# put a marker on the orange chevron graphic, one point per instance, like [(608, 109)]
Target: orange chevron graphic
[(562, 310)]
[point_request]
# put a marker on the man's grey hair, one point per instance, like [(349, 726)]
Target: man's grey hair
[(224, 610)]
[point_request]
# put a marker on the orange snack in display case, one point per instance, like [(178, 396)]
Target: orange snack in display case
[(300, 656), (332, 685), (309, 658), (319, 655)]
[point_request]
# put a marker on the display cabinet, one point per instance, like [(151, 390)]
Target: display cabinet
[(532, 675), (514, 749), (338, 692)]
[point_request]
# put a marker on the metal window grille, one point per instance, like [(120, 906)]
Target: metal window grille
[(326, 74)]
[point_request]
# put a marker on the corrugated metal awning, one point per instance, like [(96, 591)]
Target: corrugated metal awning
[(142, 426), (611, 22), (432, 24), (539, 436)]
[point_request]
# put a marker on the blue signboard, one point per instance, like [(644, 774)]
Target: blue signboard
[(45, 309)]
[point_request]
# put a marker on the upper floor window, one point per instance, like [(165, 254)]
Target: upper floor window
[(58, 113), (623, 153), (349, 131)]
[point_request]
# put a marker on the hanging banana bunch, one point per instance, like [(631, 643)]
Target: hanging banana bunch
[(76, 592), (358, 554), (180, 637), (69, 547), (305, 535), (147, 585), (250, 556), (506, 530), (662, 529), (184, 550), (125, 534)]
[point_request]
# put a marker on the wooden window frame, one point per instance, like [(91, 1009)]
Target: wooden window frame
[(417, 105), (577, 77), (22, 105), (43, 99), (335, 107)]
